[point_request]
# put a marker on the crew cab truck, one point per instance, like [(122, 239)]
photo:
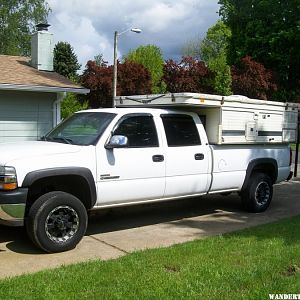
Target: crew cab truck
[(149, 148)]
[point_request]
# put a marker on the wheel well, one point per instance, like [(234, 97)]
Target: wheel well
[(266, 166), (267, 169), (72, 184)]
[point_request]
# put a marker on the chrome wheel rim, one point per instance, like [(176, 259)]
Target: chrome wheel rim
[(61, 224), (262, 193)]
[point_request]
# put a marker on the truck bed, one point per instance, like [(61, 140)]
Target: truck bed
[(230, 162)]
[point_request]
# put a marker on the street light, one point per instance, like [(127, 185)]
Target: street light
[(136, 30)]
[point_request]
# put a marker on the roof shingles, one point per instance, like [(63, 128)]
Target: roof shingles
[(16, 70)]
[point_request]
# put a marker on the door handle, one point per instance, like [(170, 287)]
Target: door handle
[(158, 158), (199, 156)]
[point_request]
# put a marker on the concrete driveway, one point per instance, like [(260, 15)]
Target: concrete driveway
[(117, 232)]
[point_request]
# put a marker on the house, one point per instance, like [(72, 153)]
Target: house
[(30, 92)]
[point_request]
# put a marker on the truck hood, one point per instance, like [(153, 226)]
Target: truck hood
[(11, 152)]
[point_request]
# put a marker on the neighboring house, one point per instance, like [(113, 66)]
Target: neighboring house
[(30, 92)]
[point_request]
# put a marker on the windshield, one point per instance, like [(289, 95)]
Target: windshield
[(81, 128)]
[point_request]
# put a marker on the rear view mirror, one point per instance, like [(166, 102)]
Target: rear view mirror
[(117, 141)]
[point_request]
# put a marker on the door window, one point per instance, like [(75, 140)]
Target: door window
[(140, 131), (180, 130)]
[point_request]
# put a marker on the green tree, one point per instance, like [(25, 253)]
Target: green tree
[(150, 56), (268, 31), (65, 63), (216, 42), (223, 81), (17, 21), (213, 51), (71, 104), (65, 60)]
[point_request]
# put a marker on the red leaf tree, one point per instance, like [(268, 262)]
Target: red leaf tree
[(98, 78), (133, 78), (252, 79), (189, 75)]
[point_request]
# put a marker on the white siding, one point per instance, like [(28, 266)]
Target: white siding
[(25, 115)]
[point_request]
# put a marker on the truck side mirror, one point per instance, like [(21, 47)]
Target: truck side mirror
[(117, 141)]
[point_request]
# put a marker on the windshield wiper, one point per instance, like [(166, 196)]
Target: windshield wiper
[(61, 138)]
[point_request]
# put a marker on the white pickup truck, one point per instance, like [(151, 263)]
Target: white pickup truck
[(123, 156)]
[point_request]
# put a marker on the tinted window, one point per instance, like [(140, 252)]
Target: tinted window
[(140, 131), (180, 130)]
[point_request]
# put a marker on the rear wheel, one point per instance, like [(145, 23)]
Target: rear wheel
[(258, 194), (56, 221)]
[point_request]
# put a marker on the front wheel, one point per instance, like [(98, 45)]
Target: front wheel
[(258, 194), (56, 221)]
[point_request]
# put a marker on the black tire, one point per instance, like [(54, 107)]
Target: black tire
[(258, 194), (56, 221)]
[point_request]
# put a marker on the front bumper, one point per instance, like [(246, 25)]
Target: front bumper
[(12, 207)]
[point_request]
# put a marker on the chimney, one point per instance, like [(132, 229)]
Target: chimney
[(42, 46)]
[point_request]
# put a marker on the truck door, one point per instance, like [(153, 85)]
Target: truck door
[(136, 172), (187, 159)]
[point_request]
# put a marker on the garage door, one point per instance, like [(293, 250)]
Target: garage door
[(24, 118)]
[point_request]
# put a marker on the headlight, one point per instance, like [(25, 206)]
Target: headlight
[(8, 178)]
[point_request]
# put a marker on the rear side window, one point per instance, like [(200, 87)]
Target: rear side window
[(180, 130), (140, 131)]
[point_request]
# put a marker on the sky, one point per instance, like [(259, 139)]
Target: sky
[(89, 25)]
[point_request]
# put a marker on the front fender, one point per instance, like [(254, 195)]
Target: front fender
[(85, 173)]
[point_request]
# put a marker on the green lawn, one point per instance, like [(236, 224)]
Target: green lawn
[(248, 264)]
